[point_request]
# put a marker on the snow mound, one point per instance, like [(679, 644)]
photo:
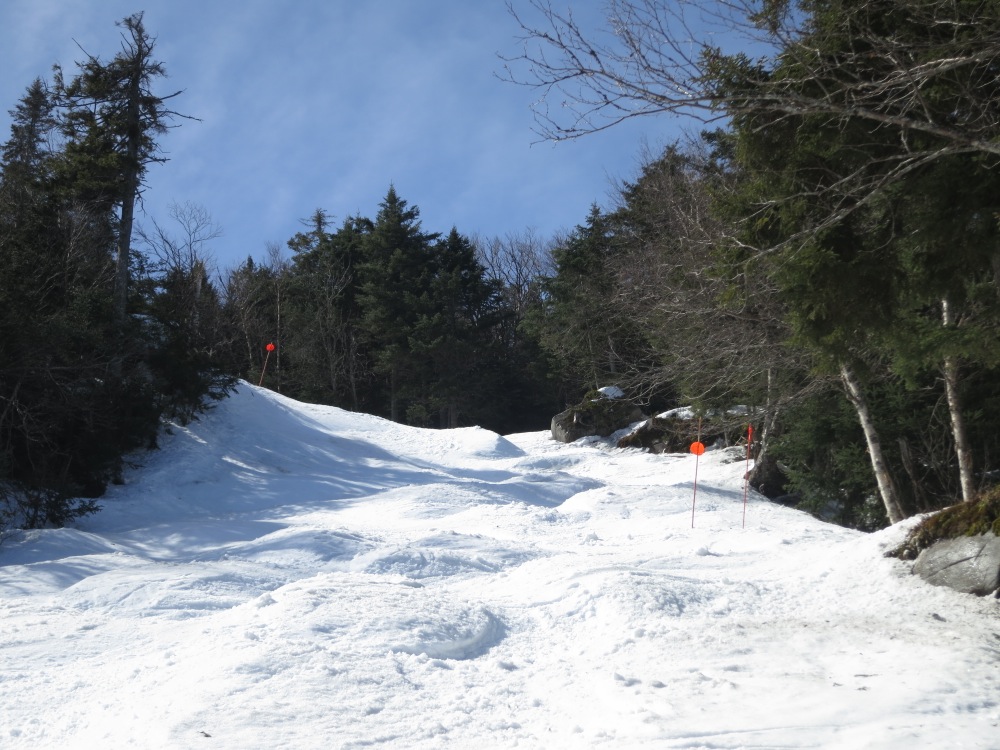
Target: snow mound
[(442, 555), (454, 632)]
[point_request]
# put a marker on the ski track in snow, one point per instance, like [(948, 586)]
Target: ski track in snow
[(282, 575)]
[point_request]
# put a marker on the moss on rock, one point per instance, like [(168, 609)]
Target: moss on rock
[(964, 519)]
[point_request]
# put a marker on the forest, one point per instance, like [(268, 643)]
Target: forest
[(822, 249)]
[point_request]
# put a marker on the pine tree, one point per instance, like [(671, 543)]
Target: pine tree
[(576, 323), (83, 381), (323, 343), (112, 120), (396, 273), (949, 233), (451, 338), (59, 438), (182, 311)]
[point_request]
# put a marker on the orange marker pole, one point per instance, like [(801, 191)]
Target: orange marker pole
[(746, 476), (697, 448), (269, 348)]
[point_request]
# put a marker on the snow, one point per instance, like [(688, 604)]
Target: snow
[(611, 391), (282, 575)]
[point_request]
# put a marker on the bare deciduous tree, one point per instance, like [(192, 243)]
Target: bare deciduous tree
[(660, 56), (714, 60), (516, 262)]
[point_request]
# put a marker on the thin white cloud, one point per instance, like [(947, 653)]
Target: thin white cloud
[(324, 103)]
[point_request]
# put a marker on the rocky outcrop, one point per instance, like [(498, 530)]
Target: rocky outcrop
[(673, 432), (662, 435), (598, 414), (969, 564)]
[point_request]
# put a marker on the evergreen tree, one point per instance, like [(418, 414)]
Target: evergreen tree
[(182, 311), (396, 273), (576, 322), (859, 267), (451, 338), (82, 381), (65, 422), (949, 238), (112, 120), (324, 344)]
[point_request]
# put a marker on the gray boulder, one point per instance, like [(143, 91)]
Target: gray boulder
[(597, 414), (969, 564)]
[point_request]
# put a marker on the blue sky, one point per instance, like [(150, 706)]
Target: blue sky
[(309, 104)]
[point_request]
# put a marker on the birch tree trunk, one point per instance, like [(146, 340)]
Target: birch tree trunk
[(763, 471), (963, 448), (886, 488)]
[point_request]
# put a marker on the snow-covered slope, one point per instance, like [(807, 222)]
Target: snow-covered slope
[(283, 575)]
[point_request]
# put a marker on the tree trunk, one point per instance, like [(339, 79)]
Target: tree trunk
[(124, 250), (352, 372), (393, 405), (919, 496), (765, 476), (963, 448), (130, 191), (886, 488)]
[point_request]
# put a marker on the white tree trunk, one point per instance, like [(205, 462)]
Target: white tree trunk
[(886, 488), (770, 421), (963, 448)]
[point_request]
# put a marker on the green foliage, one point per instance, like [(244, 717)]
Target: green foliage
[(324, 356), (396, 273), (869, 233), (575, 323), (182, 330), (82, 383), (112, 119), (379, 316), (823, 455), (450, 340)]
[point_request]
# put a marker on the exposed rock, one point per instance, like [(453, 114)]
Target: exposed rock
[(969, 564), (672, 433), (597, 414), (769, 479)]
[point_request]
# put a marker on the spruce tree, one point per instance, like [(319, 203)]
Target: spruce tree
[(323, 344), (576, 323), (112, 122), (451, 338), (396, 273)]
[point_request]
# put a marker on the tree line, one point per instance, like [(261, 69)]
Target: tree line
[(108, 328), (823, 249), (380, 316), (93, 350), (826, 248)]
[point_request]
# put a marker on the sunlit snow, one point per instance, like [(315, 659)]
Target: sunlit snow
[(282, 575)]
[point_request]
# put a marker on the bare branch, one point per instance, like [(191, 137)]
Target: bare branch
[(659, 57)]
